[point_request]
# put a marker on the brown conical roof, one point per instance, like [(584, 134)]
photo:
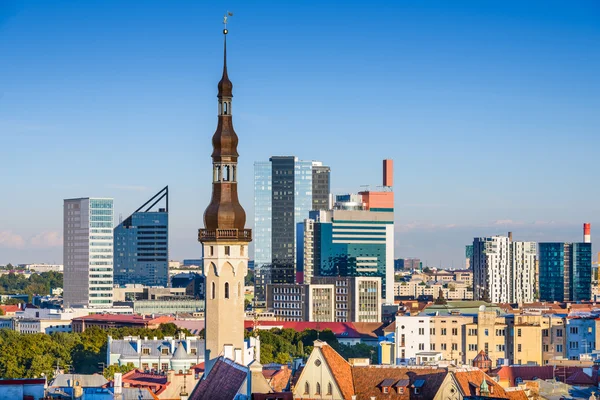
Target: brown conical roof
[(225, 85)]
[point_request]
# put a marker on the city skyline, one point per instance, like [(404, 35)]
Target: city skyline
[(448, 191)]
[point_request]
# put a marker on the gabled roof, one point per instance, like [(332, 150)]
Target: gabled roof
[(223, 381), (127, 348), (580, 378), (340, 369), (368, 379), (481, 356), (470, 379), (278, 379)]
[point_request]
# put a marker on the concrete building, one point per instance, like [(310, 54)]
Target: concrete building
[(35, 325), (39, 268), (503, 270), (581, 336), (88, 252), (107, 321), (136, 291), (141, 244), (327, 299), (156, 354), (356, 238)]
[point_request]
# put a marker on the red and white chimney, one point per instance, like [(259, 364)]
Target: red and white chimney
[(587, 237)]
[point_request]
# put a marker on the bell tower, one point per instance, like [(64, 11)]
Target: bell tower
[(224, 237)]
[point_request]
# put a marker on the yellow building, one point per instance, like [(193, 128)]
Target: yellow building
[(489, 333)]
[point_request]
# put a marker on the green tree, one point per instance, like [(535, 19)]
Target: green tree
[(109, 372)]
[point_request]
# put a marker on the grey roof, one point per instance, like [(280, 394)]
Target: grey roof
[(127, 394), (93, 381), (127, 348), (402, 383), (180, 353), (387, 382)]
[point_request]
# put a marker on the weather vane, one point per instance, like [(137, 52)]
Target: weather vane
[(227, 15)]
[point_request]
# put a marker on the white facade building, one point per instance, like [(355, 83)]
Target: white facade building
[(44, 267), (503, 270), (412, 337), (88, 252)]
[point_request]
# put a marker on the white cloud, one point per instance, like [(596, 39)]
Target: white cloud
[(11, 240), (46, 239)]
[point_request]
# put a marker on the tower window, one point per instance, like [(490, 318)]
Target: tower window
[(211, 251), (225, 108), (213, 291), (241, 250), (226, 290), (227, 251)]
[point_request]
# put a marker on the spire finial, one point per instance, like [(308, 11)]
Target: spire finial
[(225, 17)]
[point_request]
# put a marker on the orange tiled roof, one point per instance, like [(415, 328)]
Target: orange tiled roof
[(368, 379), (278, 379), (517, 395), (341, 370), (470, 380)]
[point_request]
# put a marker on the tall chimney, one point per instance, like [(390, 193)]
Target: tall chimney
[(388, 173), (510, 237), (587, 236)]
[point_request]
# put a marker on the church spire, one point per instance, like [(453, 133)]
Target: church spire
[(225, 211)]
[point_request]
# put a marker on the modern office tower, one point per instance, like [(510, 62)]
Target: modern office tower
[(412, 264), (468, 255), (565, 271), (88, 252), (224, 237), (321, 186), (141, 244), (284, 194), (503, 270)]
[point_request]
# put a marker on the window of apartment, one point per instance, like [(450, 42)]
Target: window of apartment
[(421, 346), (472, 347), (559, 333), (454, 346), (472, 332), (559, 348), (573, 345), (454, 331), (518, 348), (546, 347), (486, 332), (145, 351), (432, 346), (574, 330), (164, 366), (545, 332), (443, 346), (227, 250), (155, 366), (193, 351), (432, 331), (487, 347), (164, 350), (421, 331), (145, 366), (519, 332), (443, 331)]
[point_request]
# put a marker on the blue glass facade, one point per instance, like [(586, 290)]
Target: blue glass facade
[(565, 271), (141, 249)]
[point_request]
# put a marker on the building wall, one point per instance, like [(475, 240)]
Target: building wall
[(316, 371), (412, 336), (581, 337), (565, 271), (321, 305), (262, 224), (88, 252), (448, 336), (289, 302), (320, 186), (141, 244), (524, 255)]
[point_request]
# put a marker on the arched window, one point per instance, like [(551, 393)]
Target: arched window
[(318, 391), (225, 108), (306, 388), (329, 389), (213, 291), (226, 290)]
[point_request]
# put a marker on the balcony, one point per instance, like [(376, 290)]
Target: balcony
[(244, 235)]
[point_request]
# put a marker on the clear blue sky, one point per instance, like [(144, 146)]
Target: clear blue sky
[(491, 111)]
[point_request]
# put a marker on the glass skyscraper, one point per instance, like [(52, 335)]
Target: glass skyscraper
[(565, 271), (283, 198), (88, 252), (141, 244)]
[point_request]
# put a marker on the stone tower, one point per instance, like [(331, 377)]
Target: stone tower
[(224, 237)]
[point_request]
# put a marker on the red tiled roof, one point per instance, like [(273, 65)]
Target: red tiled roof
[(580, 378), (340, 369), (24, 381), (517, 395), (339, 329), (156, 383), (528, 373), (198, 368), (12, 308), (470, 381), (368, 379), (369, 329), (223, 381), (130, 319), (278, 378)]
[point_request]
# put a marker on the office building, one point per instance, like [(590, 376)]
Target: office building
[(88, 252), (412, 264), (285, 191), (468, 255), (327, 299), (565, 271), (503, 270), (141, 244)]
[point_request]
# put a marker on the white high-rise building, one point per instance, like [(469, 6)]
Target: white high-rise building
[(503, 270), (88, 252)]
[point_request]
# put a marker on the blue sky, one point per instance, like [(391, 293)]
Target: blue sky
[(489, 109)]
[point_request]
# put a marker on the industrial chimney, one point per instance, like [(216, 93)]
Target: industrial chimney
[(388, 173), (587, 237)]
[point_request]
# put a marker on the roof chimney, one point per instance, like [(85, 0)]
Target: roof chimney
[(388, 173), (118, 383), (587, 237)]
